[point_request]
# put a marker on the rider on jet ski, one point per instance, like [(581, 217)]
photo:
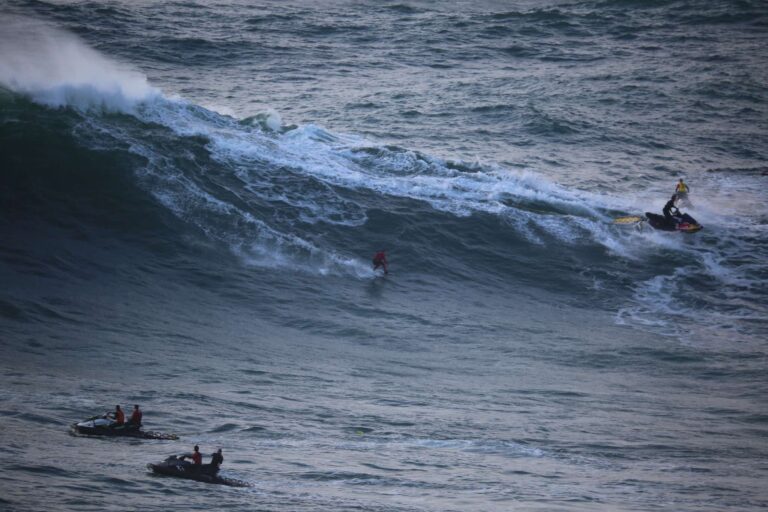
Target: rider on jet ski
[(118, 416), (668, 210)]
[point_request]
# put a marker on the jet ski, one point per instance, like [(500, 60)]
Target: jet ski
[(178, 467), (106, 426), (683, 222)]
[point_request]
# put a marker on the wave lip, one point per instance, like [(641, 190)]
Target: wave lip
[(57, 69)]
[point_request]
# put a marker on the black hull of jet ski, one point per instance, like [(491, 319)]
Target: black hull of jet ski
[(107, 431), (685, 223), (660, 222), (173, 466), (184, 469), (102, 427)]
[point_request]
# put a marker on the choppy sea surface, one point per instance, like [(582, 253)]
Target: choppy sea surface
[(191, 193)]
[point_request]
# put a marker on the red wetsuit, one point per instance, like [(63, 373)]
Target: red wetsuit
[(136, 417), (380, 260), (119, 417), (197, 458)]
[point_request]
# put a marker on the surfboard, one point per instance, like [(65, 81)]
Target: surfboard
[(630, 219)]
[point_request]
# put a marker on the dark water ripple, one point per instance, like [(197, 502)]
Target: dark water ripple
[(209, 257)]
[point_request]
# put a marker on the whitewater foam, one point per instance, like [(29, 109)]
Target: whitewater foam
[(529, 202)]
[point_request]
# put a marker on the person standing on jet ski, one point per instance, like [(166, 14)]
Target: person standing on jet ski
[(668, 210), (681, 190)]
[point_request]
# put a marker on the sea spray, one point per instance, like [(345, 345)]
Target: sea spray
[(56, 68)]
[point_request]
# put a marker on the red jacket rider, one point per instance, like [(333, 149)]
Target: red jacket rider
[(119, 416), (197, 457), (380, 260), (136, 416)]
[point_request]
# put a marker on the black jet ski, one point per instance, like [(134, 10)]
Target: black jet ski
[(683, 222), (178, 467), (105, 426)]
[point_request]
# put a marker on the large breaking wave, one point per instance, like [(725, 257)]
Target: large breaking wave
[(304, 199)]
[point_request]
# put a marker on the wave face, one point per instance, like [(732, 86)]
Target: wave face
[(199, 188)]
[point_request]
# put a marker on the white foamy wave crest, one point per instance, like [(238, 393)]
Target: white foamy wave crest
[(351, 162), (55, 68)]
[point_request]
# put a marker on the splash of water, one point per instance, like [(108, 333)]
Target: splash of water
[(57, 69)]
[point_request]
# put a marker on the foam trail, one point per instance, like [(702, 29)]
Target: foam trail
[(57, 69)]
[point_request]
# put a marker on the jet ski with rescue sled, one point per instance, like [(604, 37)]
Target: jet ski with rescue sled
[(106, 426), (682, 222), (180, 468)]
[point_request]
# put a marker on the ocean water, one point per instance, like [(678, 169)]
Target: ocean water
[(191, 193)]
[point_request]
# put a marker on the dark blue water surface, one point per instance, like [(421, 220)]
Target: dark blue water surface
[(191, 192)]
